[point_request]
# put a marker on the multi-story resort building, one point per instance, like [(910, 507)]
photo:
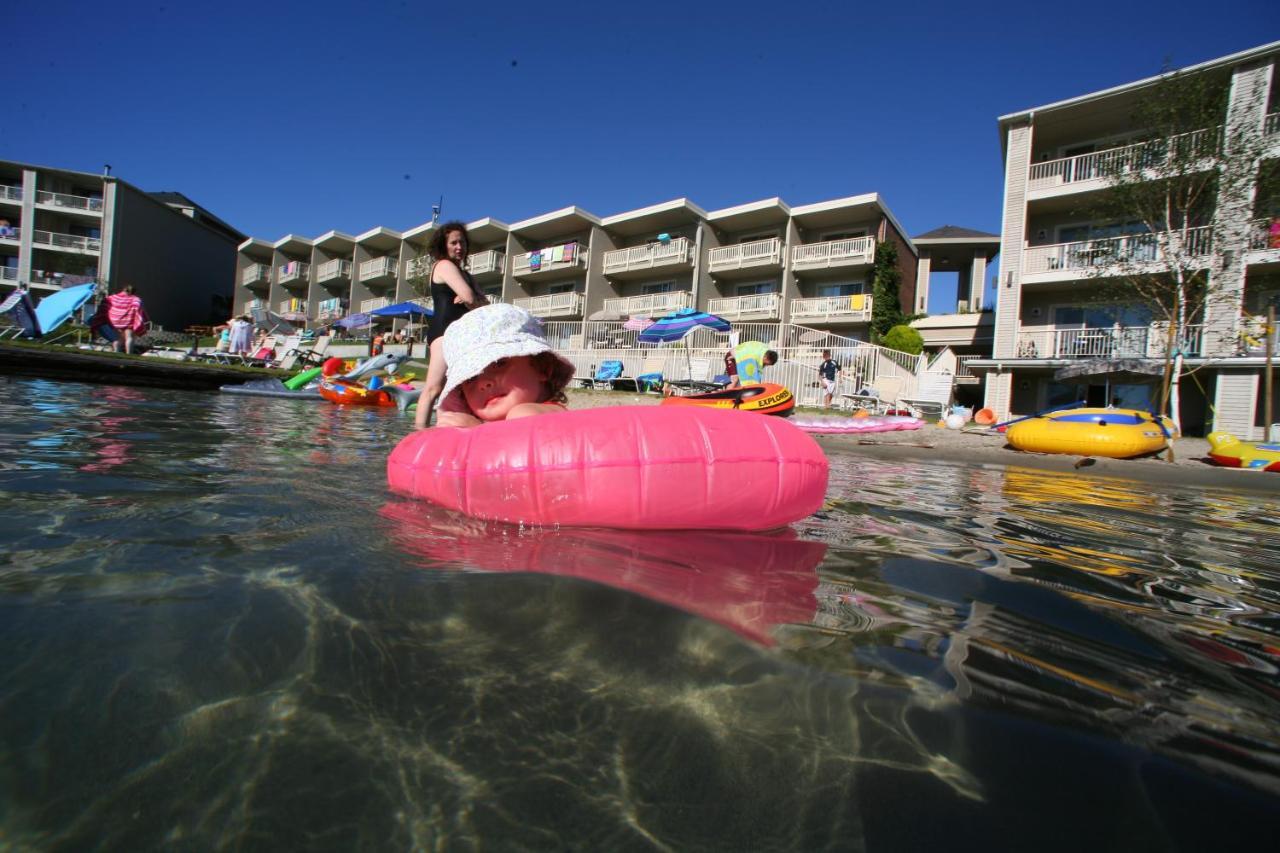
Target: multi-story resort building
[(59, 227), (1056, 307)]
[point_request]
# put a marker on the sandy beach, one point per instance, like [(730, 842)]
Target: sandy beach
[(1190, 466)]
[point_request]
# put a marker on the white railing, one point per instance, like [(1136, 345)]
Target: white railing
[(1114, 161), (78, 202), (759, 306), (1271, 124), (754, 254), (1112, 251), (1260, 236), (12, 234), (255, 272), (1109, 342), (963, 372), (251, 304), (486, 262), (8, 192), (67, 241), (329, 310), (542, 260), (8, 273), (383, 267), (648, 256), (294, 271), (336, 268), (554, 304), (650, 304), (850, 309), (834, 253), (419, 266), (367, 305)]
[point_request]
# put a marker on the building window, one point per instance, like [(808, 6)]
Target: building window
[(841, 289), (658, 287), (755, 289)]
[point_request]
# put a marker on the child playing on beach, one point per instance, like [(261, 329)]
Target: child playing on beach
[(500, 368)]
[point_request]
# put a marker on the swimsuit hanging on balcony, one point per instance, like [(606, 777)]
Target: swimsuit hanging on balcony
[(557, 254), (857, 301), (535, 260), (569, 249)]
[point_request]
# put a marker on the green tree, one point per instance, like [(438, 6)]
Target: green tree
[(903, 338), (886, 310)]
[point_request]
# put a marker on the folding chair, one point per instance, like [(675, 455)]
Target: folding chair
[(933, 396), (312, 357), (878, 397), (608, 371)]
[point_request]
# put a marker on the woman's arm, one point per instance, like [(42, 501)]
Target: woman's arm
[(447, 272)]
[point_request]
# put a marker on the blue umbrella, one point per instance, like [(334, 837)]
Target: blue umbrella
[(674, 327), (355, 321), (412, 310)]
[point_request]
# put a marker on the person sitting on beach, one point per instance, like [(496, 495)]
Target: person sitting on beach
[(500, 368)]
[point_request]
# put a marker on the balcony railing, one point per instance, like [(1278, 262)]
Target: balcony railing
[(834, 253), (76, 202), (255, 273), (328, 311), (648, 256), (855, 308), (1110, 342), (294, 271), (1271, 124), (9, 192), (60, 279), (565, 256), (292, 308), (755, 254), (1153, 249), (1260, 236), (650, 304), (758, 306), (963, 372), (553, 305), (367, 305), (11, 234), (67, 241), (251, 304), (376, 268), (419, 266), (8, 273), (486, 263), (1098, 165), (334, 269)]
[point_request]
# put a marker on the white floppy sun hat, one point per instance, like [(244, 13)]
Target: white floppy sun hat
[(491, 333)]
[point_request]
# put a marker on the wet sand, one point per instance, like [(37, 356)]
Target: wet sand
[(973, 446)]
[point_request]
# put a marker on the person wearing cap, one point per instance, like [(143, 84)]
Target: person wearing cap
[(500, 368)]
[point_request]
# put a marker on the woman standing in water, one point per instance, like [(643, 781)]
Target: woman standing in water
[(453, 293)]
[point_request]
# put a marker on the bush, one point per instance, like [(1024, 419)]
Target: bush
[(903, 339)]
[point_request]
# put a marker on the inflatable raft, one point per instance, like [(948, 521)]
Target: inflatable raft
[(1114, 433), (765, 399), (1230, 452)]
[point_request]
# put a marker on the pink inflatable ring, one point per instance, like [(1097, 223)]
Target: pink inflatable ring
[(633, 467)]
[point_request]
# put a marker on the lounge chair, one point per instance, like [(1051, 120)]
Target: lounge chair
[(878, 397), (933, 396), (700, 380), (650, 376), (309, 357), (605, 374)]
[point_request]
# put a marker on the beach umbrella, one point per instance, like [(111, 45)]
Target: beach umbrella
[(409, 310), (637, 324), (355, 321), (675, 327)]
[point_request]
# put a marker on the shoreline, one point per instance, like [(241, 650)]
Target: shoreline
[(932, 443)]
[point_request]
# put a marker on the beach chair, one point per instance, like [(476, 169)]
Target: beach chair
[(932, 397), (878, 397), (649, 379), (700, 379), (308, 357), (608, 371)]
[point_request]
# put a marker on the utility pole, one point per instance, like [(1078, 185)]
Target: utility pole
[(435, 211)]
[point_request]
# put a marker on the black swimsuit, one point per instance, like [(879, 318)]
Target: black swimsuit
[(444, 309)]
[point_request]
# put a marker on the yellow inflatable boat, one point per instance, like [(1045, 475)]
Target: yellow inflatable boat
[(1115, 433), (1231, 452)]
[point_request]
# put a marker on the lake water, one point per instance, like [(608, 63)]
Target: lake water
[(218, 629)]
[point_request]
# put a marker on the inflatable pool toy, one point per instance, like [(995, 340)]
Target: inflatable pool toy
[(835, 425), (766, 399), (954, 421), (631, 467), (293, 383), (345, 392), (270, 388), (984, 417), (1231, 452), (1114, 433)]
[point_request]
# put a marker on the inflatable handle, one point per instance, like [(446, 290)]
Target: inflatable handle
[(632, 467)]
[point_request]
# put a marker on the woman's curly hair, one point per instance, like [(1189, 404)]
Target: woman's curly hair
[(438, 240)]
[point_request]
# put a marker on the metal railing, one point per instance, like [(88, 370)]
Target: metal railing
[(855, 308), (1127, 158), (834, 253), (8, 273), (523, 263), (251, 304), (486, 262), (384, 267), (292, 306), (336, 268), (764, 306), (77, 202), (551, 305), (374, 304), (294, 271), (10, 192), (1109, 342), (648, 256), (255, 272), (962, 366), (1111, 251), (754, 254), (13, 234), (67, 241), (650, 304)]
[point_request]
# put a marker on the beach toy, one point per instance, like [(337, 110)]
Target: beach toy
[(1114, 433), (836, 425), (301, 379), (954, 421), (1230, 452), (333, 366), (764, 398), (631, 467), (985, 417)]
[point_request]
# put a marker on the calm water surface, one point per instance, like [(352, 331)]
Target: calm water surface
[(218, 629)]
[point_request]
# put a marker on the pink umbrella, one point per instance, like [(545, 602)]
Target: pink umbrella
[(637, 324)]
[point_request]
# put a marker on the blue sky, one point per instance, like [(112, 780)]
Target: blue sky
[(298, 118)]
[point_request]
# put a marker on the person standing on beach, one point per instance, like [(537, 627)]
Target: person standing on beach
[(453, 294), (126, 315), (241, 334), (827, 375)]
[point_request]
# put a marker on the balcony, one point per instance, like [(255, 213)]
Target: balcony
[(553, 305), (294, 273), (255, 274), (329, 310), (367, 305), (855, 308), (854, 251), (251, 304), (8, 273), (964, 374), (417, 267), (335, 270), (60, 280), (293, 309), (378, 270), (11, 193), (567, 257), (1091, 171), (1272, 124), (1113, 255), (68, 242), (650, 304), (486, 264), (674, 254), (11, 234), (757, 255), (758, 306), (1111, 342), (62, 201)]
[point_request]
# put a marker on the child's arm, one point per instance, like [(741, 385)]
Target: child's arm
[(456, 419), (529, 410)]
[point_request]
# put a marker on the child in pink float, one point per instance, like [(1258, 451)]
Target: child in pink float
[(500, 368)]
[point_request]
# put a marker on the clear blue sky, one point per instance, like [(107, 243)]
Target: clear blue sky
[(302, 117)]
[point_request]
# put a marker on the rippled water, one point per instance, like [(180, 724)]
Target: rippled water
[(218, 629)]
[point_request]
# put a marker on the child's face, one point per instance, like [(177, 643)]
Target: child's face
[(504, 385)]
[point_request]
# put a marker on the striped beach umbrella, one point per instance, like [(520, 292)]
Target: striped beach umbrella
[(675, 326)]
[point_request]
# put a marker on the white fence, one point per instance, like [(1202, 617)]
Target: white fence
[(834, 253), (1111, 342), (761, 306), (650, 304), (552, 305), (755, 254), (647, 256)]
